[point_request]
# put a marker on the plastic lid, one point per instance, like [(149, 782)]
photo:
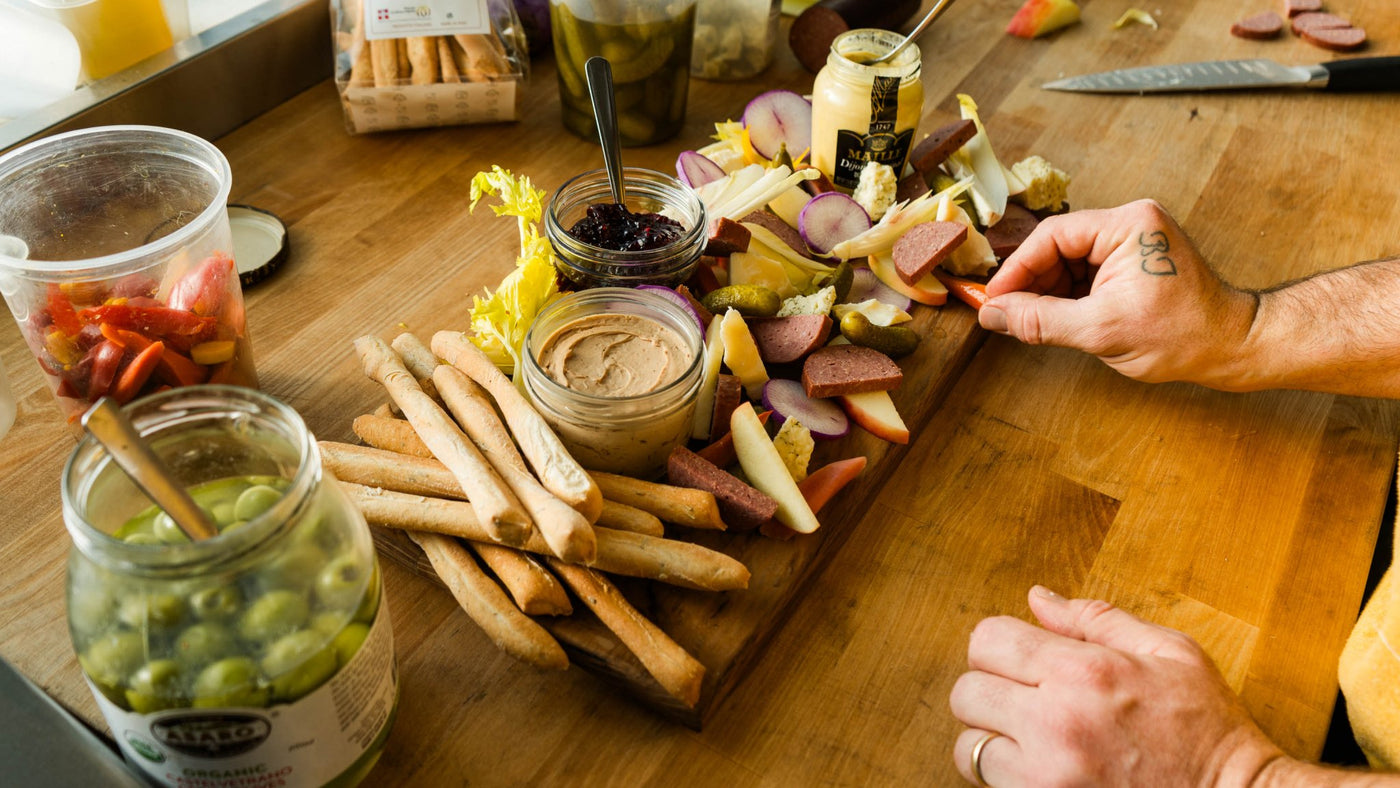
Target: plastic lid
[(260, 243)]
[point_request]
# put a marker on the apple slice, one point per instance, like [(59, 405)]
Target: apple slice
[(765, 470), (874, 410), (1039, 17), (928, 290), (741, 353)]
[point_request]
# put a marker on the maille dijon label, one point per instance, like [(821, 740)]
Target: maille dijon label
[(880, 144)]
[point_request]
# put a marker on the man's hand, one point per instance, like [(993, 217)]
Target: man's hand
[(1100, 697), (1128, 286)]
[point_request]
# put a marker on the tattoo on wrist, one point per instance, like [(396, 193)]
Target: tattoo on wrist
[(1154, 247)]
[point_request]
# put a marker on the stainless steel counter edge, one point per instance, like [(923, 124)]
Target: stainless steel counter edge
[(208, 84)]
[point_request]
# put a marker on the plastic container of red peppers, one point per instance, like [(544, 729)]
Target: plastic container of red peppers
[(116, 262), (655, 237)]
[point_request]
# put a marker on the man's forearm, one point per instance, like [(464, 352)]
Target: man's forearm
[(1338, 331)]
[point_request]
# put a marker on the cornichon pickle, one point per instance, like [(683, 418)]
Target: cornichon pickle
[(747, 300), (841, 278), (893, 341)]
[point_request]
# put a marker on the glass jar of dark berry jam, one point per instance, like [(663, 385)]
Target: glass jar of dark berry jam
[(657, 240)]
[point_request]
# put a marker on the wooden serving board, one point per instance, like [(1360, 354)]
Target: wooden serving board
[(727, 631)]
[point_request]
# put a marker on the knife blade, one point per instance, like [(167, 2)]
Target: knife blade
[(1353, 75)]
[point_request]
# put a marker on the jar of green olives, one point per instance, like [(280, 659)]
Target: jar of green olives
[(647, 43), (263, 652)]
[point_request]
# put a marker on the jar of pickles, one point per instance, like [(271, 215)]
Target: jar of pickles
[(265, 651), (648, 44)]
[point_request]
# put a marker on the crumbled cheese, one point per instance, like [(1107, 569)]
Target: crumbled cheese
[(818, 303), (794, 444), (876, 189), (1046, 186), (877, 312)]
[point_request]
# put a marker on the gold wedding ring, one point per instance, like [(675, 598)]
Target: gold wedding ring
[(977, 759)]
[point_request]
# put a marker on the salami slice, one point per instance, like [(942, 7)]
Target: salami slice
[(1258, 27), (1315, 20), (782, 340), (934, 149), (848, 369), (727, 237), (742, 507), (924, 246), (1338, 39), (1007, 235)]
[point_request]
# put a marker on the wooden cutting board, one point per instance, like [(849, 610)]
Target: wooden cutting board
[(728, 631)]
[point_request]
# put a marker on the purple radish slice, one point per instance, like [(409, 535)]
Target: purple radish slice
[(788, 400), (696, 169), (865, 286), (779, 117), (677, 299), (830, 218)]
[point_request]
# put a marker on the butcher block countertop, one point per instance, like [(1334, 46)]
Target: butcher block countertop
[(1247, 520)]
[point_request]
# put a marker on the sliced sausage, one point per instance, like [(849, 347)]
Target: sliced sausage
[(727, 237), (934, 149), (924, 246), (1315, 20), (727, 392), (911, 186), (848, 369), (742, 507), (785, 232), (1335, 39), (1296, 7), (1007, 235), (1259, 27), (782, 340)]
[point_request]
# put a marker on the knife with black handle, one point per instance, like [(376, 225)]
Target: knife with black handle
[(1353, 75)]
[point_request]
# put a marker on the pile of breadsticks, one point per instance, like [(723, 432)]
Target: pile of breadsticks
[(466, 486), (423, 60)]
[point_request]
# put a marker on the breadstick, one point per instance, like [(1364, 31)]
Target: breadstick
[(384, 62), (535, 591), (361, 66), (619, 552), (389, 434), (483, 600), (673, 668), (482, 57), (419, 361), (498, 507), (557, 470), (423, 54), (567, 532), (445, 61), (679, 505), (401, 53), (621, 517), (385, 410)]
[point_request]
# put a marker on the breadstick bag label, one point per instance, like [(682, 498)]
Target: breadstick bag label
[(308, 742), (386, 19)]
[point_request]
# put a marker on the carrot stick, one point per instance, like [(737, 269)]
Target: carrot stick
[(563, 527), (483, 600), (619, 552), (136, 374), (819, 488), (179, 370), (498, 507), (974, 294), (389, 434), (721, 452), (419, 361), (557, 470), (678, 672), (621, 517), (679, 505)]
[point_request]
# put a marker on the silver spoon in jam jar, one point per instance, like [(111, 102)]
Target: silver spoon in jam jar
[(600, 92), (913, 34)]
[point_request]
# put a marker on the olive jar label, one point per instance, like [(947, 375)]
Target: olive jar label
[(880, 144), (309, 741)]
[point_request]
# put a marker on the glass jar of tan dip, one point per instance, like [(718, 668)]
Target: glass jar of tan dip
[(616, 372), (863, 113)]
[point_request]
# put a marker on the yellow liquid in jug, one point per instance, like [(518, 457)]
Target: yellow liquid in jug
[(114, 34)]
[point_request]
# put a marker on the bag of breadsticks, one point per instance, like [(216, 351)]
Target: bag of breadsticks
[(427, 63)]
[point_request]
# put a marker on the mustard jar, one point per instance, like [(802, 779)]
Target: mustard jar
[(863, 113)]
